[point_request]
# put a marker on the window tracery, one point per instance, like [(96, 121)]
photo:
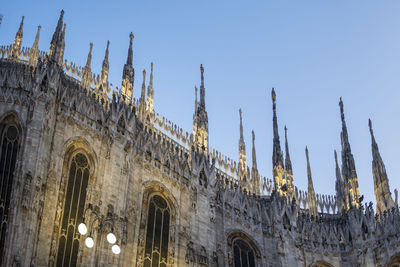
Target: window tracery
[(157, 233), (10, 137), (74, 205)]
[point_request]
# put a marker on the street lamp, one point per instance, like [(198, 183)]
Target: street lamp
[(103, 223)]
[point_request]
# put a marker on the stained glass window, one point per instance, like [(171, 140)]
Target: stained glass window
[(243, 254), (157, 234), (8, 157), (74, 206)]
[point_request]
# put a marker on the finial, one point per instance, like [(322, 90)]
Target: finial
[(370, 127), (89, 58), (202, 74), (107, 50), (341, 108), (151, 74), (144, 77), (307, 154), (130, 51), (253, 137), (21, 25), (241, 124), (202, 89), (273, 95)]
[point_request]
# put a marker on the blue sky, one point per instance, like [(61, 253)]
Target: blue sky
[(312, 52)]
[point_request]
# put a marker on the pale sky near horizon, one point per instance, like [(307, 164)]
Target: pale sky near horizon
[(312, 52)]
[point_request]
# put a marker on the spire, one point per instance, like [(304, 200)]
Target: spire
[(87, 71), (143, 93), (242, 145), (150, 94), (349, 173), (18, 40), (254, 150), (105, 70), (242, 168), (312, 203), (200, 119), (383, 195), (241, 140), (202, 89), (288, 167), (129, 60), (34, 53), (142, 101), (128, 74), (277, 160), (62, 46), (339, 186), (288, 163), (57, 40), (255, 177)]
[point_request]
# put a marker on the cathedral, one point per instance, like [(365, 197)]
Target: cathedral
[(91, 176)]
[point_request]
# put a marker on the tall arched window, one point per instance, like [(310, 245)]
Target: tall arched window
[(74, 205), (10, 136), (243, 254), (157, 233)]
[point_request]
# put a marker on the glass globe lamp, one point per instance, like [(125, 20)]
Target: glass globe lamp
[(116, 249), (111, 238), (89, 242), (82, 229)]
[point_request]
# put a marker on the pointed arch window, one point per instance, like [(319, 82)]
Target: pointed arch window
[(10, 137), (157, 233), (73, 209), (243, 254)]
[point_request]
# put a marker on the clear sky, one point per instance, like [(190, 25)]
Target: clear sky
[(312, 52)]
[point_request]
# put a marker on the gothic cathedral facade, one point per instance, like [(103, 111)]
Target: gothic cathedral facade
[(91, 176)]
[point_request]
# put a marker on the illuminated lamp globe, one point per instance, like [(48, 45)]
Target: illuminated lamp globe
[(82, 229), (115, 249), (89, 242), (111, 238)]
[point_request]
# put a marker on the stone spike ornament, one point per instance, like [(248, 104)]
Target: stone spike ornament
[(87, 71), (242, 167), (349, 173), (105, 67), (202, 88), (34, 53), (255, 176), (312, 203), (150, 96), (242, 145), (277, 159), (200, 119), (16, 48), (56, 45), (339, 186), (384, 200), (128, 74), (288, 167)]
